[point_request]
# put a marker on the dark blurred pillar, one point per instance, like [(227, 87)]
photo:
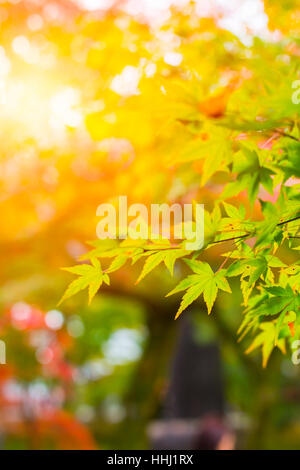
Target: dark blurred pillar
[(196, 386), (195, 389)]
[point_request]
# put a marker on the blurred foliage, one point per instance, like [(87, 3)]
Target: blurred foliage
[(99, 104)]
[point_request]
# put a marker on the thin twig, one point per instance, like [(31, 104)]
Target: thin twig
[(224, 262), (230, 239), (284, 134), (288, 221)]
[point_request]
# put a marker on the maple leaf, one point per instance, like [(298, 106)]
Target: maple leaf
[(169, 258), (266, 340), (90, 276), (204, 281)]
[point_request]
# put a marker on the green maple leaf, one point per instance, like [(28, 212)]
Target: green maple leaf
[(290, 163), (90, 276), (168, 256), (216, 151), (282, 300), (266, 340), (204, 281), (250, 174)]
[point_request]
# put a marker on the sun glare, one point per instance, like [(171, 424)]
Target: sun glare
[(36, 98), (39, 109)]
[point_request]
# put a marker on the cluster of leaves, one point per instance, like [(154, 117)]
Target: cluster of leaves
[(269, 286), (239, 142)]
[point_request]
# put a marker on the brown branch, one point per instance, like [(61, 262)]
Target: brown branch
[(284, 134), (230, 239), (288, 221), (250, 234)]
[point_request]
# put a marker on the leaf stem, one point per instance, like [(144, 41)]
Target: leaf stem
[(288, 221), (285, 134), (229, 239)]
